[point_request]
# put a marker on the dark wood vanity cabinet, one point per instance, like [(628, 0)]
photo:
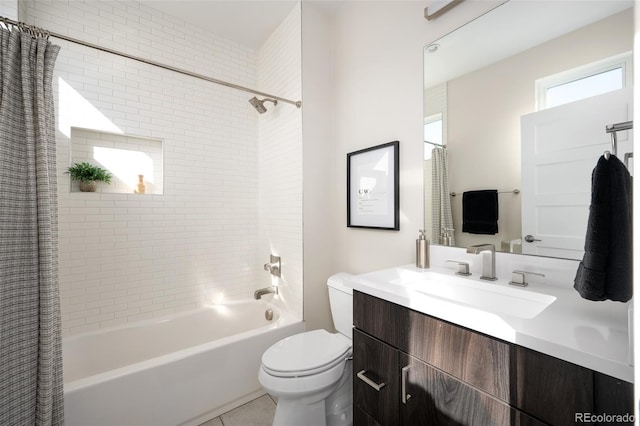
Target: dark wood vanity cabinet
[(430, 372), (378, 362)]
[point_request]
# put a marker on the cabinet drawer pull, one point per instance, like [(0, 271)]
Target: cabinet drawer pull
[(361, 376), (405, 377)]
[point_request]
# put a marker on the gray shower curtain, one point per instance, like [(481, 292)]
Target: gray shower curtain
[(440, 198), (31, 391)]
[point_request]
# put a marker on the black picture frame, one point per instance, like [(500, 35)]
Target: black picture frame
[(373, 187)]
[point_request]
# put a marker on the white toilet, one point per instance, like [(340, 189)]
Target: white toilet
[(310, 373)]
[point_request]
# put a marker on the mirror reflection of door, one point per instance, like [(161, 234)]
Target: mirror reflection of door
[(483, 83), (560, 148)]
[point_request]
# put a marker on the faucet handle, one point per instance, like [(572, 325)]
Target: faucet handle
[(519, 277), (463, 267), (274, 266)]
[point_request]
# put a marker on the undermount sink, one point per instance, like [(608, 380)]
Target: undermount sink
[(486, 296)]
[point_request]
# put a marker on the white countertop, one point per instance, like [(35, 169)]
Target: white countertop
[(591, 334)]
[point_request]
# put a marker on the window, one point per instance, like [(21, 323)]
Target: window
[(583, 82), (432, 133)]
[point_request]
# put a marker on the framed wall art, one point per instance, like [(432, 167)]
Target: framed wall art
[(373, 195)]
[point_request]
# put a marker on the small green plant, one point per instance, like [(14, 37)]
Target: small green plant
[(85, 172)]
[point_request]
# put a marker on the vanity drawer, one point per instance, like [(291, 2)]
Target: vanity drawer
[(474, 358), (551, 389), (612, 396), (360, 418), (471, 357), (437, 398), (377, 362), (379, 318)]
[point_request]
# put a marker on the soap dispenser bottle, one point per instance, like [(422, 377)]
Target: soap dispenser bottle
[(422, 251), (447, 236)]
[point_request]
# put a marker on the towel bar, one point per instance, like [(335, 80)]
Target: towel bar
[(514, 191)]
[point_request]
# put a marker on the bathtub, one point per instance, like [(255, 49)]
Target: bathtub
[(177, 370)]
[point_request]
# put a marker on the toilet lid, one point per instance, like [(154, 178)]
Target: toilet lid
[(305, 354)]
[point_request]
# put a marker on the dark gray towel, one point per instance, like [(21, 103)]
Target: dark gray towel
[(480, 212), (606, 270)]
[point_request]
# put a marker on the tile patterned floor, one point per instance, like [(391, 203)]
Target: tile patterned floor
[(258, 412)]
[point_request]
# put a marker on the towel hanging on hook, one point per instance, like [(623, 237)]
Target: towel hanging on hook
[(606, 269)]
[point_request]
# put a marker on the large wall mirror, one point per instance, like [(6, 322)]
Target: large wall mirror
[(516, 106)]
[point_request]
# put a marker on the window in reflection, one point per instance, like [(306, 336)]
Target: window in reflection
[(584, 82), (432, 133)]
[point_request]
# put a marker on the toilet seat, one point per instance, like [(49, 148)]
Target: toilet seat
[(306, 354)]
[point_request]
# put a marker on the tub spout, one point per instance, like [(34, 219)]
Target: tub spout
[(261, 292)]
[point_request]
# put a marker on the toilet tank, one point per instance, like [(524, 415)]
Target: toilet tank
[(341, 301)]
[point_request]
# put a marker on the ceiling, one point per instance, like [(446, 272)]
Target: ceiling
[(510, 28), (248, 22)]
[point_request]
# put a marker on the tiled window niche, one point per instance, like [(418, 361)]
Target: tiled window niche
[(124, 156)]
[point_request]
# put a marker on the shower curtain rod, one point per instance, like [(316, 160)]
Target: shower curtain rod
[(35, 30), (436, 144)]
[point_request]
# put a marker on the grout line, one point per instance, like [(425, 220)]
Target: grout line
[(272, 400), (246, 403)]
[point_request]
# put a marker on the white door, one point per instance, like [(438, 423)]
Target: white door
[(560, 148)]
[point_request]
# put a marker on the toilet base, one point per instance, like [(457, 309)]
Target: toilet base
[(339, 405), (334, 410), (296, 413)]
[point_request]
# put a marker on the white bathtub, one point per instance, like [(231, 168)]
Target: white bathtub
[(178, 370)]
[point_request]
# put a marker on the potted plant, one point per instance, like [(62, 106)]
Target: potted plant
[(88, 174)]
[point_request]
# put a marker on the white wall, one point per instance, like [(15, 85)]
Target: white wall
[(378, 98), (362, 86), (130, 257), (319, 167)]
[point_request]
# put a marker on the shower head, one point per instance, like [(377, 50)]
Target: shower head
[(259, 104)]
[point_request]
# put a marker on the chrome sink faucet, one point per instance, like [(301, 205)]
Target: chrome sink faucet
[(479, 248)]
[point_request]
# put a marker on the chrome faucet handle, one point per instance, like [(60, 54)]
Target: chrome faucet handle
[(463, 267), (274, 266), (519, 277)]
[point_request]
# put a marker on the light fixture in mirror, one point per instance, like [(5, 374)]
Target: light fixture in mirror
[(482, 82), (436, 8)]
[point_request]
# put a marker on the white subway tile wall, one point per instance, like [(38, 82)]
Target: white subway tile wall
[(280, 156), (9, 9), (124, 257)]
